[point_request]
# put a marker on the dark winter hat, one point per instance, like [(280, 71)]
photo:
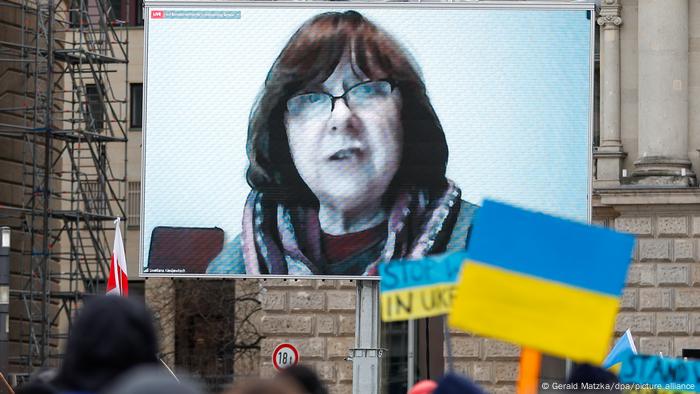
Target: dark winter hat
[(586, 373), (111, 335), (306, 377), (457, 384)]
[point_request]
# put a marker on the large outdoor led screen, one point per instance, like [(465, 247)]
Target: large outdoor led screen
[(300, 139)]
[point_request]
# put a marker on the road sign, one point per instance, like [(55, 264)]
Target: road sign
[(285, 356)]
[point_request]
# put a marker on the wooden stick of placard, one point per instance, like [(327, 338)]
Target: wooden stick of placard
[(529, 376)]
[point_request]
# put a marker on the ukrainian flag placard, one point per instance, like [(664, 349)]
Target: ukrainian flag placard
[(542, 282), (414, 289)]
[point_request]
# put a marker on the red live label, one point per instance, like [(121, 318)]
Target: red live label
[(157, 14)]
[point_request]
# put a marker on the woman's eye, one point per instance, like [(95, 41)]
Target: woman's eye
[(312, 98), (366, 89)]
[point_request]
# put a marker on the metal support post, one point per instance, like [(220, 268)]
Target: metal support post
[(4, 299), (411, 362), (366, 356)]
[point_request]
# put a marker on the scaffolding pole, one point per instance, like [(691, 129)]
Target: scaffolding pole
[(64, 123)]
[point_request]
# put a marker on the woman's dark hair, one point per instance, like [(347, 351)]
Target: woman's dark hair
[(310, 57)]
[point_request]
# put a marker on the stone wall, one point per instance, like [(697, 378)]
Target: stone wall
[(661, 301), (492, 364), (318, 317)]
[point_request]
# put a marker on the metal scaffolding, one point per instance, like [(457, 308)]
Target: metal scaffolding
[(64, 122)]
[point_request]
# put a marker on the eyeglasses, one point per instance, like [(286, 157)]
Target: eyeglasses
[(315, 105)]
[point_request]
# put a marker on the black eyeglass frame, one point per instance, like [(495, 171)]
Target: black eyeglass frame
[(343, 96)]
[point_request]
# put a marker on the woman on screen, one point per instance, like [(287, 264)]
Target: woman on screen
[(347, 160)]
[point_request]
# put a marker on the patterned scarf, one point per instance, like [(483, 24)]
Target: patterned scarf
[(282, 240)]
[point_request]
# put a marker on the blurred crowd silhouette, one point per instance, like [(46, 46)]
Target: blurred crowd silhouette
[(113, 348)]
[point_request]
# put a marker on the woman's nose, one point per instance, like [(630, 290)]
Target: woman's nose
[(340, 114)]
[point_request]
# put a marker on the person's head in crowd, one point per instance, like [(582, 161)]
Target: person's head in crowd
[(303, 376), (265, 386), (456, 384), (151, 379), (36, 388), (587, 373), (423, 387), (110, 336)]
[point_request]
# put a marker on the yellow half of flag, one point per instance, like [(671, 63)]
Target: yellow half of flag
[(561, 320)]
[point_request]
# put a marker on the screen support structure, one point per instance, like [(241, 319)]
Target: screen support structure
[(411, 362), (366, 355)]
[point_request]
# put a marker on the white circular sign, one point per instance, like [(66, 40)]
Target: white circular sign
[(285, 356)]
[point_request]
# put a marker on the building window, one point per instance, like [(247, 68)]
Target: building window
[(212, 332), (135, 11), (133, 16), (115, 11), (596, 89), (133, 204), (95, 114), (395, 368), (693, 354), (138, 9), (75, 13), (136, 106), (85, 12)]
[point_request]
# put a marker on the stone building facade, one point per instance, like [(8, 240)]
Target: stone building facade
[(646, 163), (20, 153)]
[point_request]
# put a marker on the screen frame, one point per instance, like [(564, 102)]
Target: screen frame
[(481, 5)]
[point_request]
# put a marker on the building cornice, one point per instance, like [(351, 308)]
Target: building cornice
[(630, 195)]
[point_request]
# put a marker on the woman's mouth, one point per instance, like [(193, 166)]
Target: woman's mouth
[(345, 154)]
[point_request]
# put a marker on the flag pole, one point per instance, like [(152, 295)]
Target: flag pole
[(168, 368), (7, 384), (529, 376), (448, 344), (117, 278)]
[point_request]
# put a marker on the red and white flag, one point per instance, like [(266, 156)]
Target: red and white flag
[(118, 282)]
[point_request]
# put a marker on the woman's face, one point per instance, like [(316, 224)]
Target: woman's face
[(347, 156)]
